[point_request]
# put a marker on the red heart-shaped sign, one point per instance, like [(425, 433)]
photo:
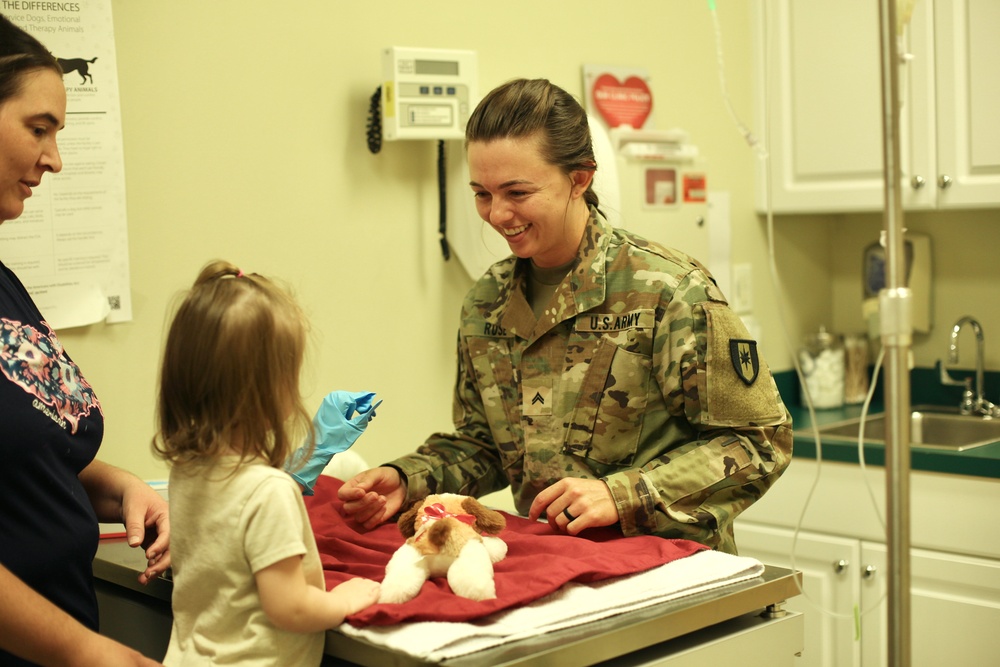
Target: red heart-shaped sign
[(620, 103)]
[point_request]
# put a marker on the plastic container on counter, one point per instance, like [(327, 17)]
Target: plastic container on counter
[(855, 369), (822, 361)]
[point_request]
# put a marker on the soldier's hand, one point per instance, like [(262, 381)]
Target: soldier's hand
[(373, 496), (573, 504)]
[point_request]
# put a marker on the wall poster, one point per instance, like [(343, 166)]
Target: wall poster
[(70, 246)]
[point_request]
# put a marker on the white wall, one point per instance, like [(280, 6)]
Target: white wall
[(244, 140)]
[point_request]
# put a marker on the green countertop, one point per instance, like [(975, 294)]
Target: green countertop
[(981, 461)]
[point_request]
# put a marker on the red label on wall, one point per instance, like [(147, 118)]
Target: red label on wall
[(694, 188)]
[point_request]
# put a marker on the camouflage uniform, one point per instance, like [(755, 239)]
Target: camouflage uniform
[(637, 373)]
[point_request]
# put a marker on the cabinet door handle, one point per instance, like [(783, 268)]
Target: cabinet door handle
[(870, 571), (944, 181), (918, 182), (840, 565)]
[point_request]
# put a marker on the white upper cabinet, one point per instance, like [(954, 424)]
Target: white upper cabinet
[(967, 59), (819, 105)]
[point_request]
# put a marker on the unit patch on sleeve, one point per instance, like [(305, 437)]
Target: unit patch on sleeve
[(744, 356)]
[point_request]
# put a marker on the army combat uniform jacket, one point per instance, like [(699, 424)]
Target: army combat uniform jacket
[(637, 373)]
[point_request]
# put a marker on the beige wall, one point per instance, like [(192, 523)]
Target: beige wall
[(965, 278), (244, 139)]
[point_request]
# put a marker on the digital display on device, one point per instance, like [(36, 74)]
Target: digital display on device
[(436, 67)]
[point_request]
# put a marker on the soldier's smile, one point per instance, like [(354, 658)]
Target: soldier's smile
[(514, 231)]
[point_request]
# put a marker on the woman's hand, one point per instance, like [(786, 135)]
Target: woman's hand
[(574, 504), (373, 496), (147, 525), (118, 495)]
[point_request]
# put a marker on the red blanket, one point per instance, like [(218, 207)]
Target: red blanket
[(539, 561)]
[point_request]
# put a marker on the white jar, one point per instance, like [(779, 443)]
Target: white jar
[(822, 362)]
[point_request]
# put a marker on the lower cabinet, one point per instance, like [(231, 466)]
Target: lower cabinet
[(954, 608), (954, 599), (830, 587)]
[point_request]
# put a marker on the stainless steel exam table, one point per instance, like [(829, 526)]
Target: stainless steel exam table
[(742, 622)]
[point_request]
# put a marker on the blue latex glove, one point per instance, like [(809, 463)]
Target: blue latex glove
[(339, 422)]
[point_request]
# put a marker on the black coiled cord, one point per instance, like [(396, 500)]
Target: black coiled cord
[(374, 129), (443, 202)]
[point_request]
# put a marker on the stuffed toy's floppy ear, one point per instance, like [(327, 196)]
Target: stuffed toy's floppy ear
[(407, 521), (487, 520)]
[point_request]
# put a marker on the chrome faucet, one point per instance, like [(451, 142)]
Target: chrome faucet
[(971, 403)]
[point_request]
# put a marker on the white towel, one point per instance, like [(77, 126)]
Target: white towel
[(573, 604)]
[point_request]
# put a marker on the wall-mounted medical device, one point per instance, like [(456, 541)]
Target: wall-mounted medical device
[(427, 93)]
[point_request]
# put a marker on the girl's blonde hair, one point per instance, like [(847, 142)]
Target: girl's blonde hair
[(230, 374)]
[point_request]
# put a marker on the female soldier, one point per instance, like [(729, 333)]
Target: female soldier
[(52, 491), (600, 375)]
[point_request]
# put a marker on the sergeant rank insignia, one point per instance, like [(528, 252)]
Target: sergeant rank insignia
[(745, 361)]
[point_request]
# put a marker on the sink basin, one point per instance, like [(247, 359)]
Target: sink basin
[(934, 427)]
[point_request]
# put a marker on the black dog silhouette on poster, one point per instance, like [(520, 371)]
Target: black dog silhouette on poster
[(77, 65)]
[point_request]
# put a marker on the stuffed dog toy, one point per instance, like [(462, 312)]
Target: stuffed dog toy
[(447, 535)]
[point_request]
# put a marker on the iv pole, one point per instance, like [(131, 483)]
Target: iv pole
[(895, 305)]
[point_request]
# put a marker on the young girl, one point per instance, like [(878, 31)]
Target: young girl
[(248, 585)]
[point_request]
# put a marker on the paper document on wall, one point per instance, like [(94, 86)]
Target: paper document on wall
[(70, 246)]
